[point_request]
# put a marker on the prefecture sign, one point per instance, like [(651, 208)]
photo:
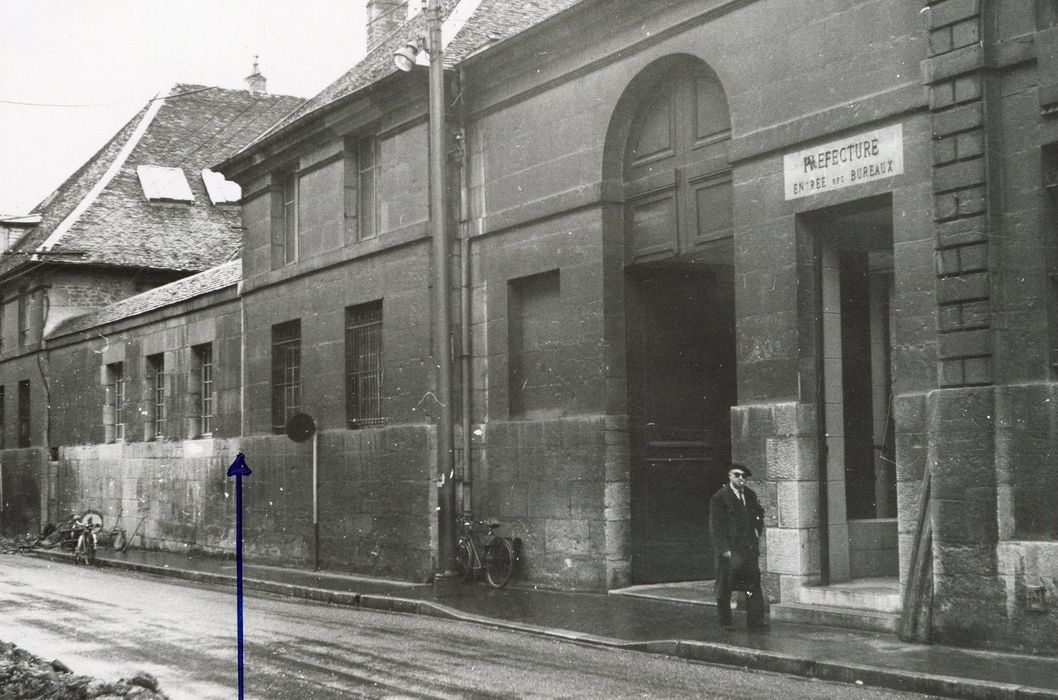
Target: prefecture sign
[(874, 155)]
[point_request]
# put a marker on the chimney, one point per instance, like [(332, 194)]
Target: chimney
[(383, 16), (255, 82)]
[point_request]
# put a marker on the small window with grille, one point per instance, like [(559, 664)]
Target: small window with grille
[(203, 358), (363, 364), (286, 373), (156, 376)]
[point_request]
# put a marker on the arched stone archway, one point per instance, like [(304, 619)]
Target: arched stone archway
[(667, 155)]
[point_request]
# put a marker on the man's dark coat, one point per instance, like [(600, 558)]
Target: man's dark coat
[(736, 528)]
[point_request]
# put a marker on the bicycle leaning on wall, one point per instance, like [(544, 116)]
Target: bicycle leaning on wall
[(88, 528), (496, 557)]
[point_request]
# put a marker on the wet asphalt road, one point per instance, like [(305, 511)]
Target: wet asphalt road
[(110, 624)]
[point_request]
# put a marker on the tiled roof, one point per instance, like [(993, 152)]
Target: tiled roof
[(492, 22), (187, 288), (193, 128)]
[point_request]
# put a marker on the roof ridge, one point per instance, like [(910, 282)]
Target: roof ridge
[(112, 170)]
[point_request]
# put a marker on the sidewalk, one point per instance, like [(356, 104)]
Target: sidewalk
[(683, 628)]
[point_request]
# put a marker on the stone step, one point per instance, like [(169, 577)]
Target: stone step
[(831, 616), (873, 598)]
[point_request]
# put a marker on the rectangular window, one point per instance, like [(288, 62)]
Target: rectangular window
[(286, 373), (114, 420), (204, 363), (290, 217), (367, 162), (3, 420), (23, 317), (156, 376), (24, 426), (363, 364)]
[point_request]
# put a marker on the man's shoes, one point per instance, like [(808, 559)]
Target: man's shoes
[(758, 627)]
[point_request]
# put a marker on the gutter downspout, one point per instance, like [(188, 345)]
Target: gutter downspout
[(43, 366), (242, 359), (442, 314), (464, 300)]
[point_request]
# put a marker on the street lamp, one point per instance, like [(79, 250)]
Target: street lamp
[(405, 60)]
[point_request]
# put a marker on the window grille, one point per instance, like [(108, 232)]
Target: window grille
[(286, 373), (363, 364)]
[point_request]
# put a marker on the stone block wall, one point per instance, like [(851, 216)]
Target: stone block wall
[(23, 486), (778, 443), (562, 487), (1026, 432), (377, 501)]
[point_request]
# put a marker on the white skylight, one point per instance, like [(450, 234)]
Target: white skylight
[(220, 190), (160, 183)]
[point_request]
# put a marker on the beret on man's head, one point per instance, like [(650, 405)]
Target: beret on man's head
[(733, 466)]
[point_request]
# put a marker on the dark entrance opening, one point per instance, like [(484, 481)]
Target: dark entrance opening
[(681, 368), (855, 254)]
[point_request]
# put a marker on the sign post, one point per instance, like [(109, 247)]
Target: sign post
[(239, 469), (300, 428)]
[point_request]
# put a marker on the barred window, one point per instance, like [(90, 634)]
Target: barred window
[(363, 364), (204, 362), (286, 373), (156, 373)]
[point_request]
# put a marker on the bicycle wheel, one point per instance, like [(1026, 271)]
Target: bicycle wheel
[(499, 561), (464, 561)]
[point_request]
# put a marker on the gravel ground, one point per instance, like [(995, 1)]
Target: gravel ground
[(23, 675)]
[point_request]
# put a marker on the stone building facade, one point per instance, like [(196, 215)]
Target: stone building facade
[(814, 238)]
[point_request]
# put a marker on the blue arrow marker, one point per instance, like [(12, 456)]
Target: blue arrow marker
[(239, 469)]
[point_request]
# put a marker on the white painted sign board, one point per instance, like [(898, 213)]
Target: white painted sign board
[(873, 155)]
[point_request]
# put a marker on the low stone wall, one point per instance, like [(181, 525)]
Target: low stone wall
[(376, 502), (21, 487), (173, 496)]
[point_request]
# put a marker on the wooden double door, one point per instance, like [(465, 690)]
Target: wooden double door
[(681, 363)]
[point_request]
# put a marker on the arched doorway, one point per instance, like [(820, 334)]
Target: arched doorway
[(679, 310)]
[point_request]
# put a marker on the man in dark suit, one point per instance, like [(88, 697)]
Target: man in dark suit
[(736, 521)]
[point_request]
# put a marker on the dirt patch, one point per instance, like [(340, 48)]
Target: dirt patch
[(25, 676)]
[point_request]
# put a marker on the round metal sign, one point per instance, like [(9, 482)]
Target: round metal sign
[(300, 427)]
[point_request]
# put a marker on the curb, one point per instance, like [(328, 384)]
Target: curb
[(706, 652)]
